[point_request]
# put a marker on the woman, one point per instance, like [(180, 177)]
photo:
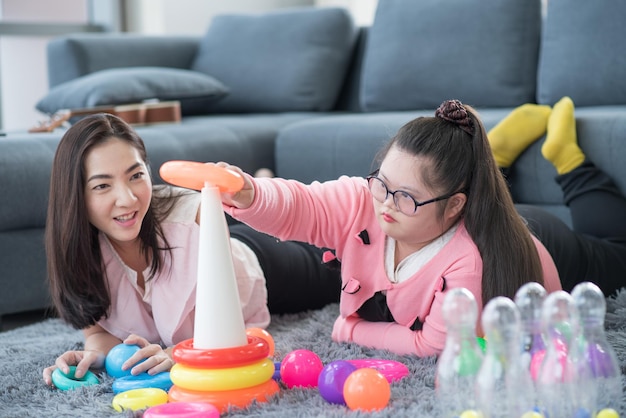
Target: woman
[(122, 254)]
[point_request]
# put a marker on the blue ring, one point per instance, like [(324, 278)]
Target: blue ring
[(69, 381), (141, 381)]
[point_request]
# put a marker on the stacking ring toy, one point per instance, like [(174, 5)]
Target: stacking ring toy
[(182, 410), (240, 398), (193, 175), (256, 349), (70, 381), (222, 379), (139, 399), (392, 370), (144, 380)]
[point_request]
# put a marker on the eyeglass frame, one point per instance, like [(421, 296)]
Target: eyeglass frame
[(374, 176)]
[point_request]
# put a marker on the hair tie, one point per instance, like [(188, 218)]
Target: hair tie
[(454, 111)]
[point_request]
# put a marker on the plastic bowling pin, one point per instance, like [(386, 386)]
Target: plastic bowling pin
[(461, 358), (561, 385), (529, 300), (598, 354), (503, 384)]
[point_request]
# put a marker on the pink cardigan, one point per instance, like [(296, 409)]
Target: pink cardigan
[(332, 215)]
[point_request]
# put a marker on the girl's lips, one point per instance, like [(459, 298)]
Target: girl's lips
[(388, 218)]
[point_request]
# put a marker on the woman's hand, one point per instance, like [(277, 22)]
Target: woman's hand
[(83, 360), (156, 358), (244, 197)]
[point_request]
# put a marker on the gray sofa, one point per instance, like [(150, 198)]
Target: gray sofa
[(318, 98)]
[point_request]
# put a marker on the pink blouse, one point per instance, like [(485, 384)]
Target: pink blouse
[(164, 312)]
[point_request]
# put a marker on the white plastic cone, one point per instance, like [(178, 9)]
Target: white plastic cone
[(219, 321)]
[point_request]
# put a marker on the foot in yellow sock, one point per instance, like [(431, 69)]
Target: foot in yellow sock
[(561, 146), (523, 126)]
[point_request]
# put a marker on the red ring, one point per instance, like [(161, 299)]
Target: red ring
[(216, 358)]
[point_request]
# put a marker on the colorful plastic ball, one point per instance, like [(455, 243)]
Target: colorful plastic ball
[(366, 389), (533, 414), (261, 333), (276, 375), (607, 413), (331, 380), (482, 344), (301, 368), (470, 413), (582, 413), (117, 356)]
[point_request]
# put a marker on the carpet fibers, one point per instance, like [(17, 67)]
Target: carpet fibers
[(25, 351)]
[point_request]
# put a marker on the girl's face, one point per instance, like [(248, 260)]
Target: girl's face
[(118, 190), (403, 171)]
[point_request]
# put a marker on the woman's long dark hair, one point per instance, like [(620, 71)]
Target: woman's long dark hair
[(76, 276), (461, 158)]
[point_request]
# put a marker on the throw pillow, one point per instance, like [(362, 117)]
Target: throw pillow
[(582, 53), (117, 86), (289, 60), (420, 53)]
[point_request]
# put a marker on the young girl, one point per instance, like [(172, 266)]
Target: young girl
[(122, 254), (436, 215)]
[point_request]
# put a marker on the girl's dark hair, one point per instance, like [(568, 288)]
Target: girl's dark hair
[(76, 275), (456, 143)]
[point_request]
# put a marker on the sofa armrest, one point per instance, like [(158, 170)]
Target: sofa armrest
[(76, 55)]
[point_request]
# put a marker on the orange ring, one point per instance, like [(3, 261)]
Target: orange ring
[(193, 175), (223, 399), (256, 349)]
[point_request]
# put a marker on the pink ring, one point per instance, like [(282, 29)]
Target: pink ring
[(182, 410), (392, 370), (193, 175), (185, 354)]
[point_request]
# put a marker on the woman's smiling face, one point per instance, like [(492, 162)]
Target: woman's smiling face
[(118, 190)]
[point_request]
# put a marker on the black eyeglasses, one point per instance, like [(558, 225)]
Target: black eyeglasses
[(405, 203)]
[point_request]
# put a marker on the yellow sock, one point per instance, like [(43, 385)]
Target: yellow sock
[(561, 146), (513, 134)]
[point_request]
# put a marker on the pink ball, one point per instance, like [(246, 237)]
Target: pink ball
[(301, 368)]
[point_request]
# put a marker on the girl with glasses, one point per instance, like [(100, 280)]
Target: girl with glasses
[(436, 215)]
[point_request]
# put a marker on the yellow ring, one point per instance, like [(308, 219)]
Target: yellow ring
[(222, 379), (135, 399)]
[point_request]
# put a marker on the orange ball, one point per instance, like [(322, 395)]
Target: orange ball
[(366, 389), (261, 333)]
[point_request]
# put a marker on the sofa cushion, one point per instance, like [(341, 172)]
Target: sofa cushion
[(420, 53), (116, 86), (289, 60), (582, 53)]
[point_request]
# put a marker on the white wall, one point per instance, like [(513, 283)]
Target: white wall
[(192, 17), (23, 68)]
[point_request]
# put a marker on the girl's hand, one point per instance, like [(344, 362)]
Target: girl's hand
[(83, 360), (156, 358), (243, 198)]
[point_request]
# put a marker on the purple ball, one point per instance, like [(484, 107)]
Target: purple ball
[(331, 380)]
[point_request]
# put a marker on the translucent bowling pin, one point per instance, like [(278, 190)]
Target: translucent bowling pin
[(460, 361), (559, 378), (504, 387), (529, 300), (598, 354)]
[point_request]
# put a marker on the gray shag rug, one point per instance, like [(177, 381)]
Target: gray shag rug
[(25, 351)]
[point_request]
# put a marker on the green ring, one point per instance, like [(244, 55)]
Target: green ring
[(68, 381)]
